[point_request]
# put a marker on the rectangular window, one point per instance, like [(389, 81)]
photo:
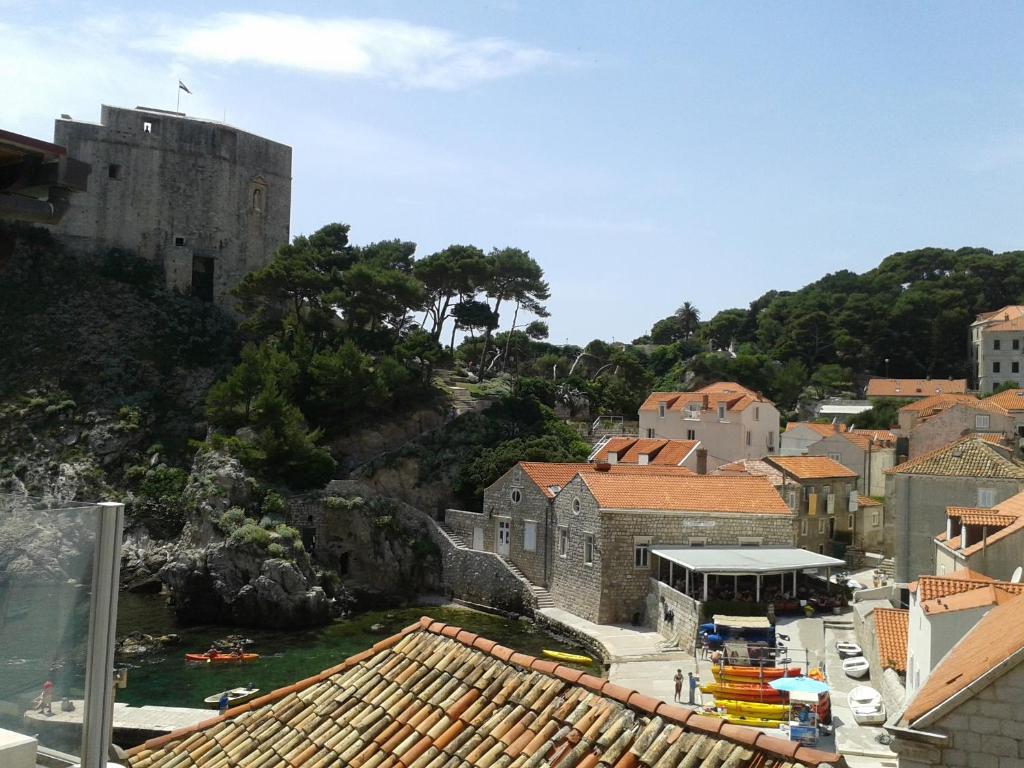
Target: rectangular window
[(1016, 343), (803, 526), (875, 518), (1014, 367), (822, 525), (588, 549), (792, 500), (836, 457), (748, 437), (179, 241), (698, 541), (693, 411), (995, 343), (661, 410), (650, 432), (986, 497), (113, 171), (563, 541), (771, 441), (757, 413), (691, 434), (641, 551), (721, 413), (849, 522), (995, 367), (981, 421), (750, 541), (147, 127), (530, 536)]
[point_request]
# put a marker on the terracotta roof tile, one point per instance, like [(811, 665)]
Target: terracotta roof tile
[(1004, 519), (998, 636), (867, 501), (551, 476), (428, 699), (938, 403), (1008, 399), (883, 436), (810, 467), (752, 467), (618, 445), (1009, 312), (735, 396), (968, 457), (891, 626), (695, 493), (825, 430), (898, 388)]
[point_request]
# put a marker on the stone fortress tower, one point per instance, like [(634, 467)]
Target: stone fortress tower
[(204, 200)]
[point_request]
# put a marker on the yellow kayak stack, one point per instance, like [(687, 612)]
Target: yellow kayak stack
[(571, 658), (755, 709), (753, 722)]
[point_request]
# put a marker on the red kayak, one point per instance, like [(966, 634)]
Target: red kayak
[(753, 674), (219, 658)]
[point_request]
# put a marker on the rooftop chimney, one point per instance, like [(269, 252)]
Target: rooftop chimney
[(702, 461)]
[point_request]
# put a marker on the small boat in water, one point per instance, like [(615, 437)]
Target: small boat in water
[(572, 658), (235, 696), (221, 658), (866, 704)]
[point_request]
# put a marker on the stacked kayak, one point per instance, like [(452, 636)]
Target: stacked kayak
[(729, 674), (754, 722), (753, 709), (755, 692)]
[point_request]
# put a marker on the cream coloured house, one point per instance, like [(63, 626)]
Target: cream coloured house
[(730, 421), (997, 348)]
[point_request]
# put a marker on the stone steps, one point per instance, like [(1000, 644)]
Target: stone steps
[(541, 595)]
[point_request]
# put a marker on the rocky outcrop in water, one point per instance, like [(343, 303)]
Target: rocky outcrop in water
[(235, 563)]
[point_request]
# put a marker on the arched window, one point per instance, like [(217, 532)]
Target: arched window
[(257, 200)]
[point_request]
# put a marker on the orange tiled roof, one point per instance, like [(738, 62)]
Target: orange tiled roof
[(434, 695), (1008, 399), (735, 397), (670, 453), (752, 467), (878, 435), (617, 445), (867, 501), (938, 403), (825, 430), (968, 457), (810, 467), (1009, 312), (898, 388), (891, 626), (993, 640), (696, 493), (547, 476), (1007, 517)]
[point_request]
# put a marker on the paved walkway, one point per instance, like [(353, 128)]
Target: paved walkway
[(635, 654), (128, 718)]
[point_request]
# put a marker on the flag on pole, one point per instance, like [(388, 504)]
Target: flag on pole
[(184, 87)]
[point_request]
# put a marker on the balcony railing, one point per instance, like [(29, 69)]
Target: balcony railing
[(59, 565)]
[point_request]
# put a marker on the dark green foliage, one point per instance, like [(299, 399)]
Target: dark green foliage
[(883, 414)]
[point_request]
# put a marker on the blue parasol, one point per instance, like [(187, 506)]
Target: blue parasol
[(805, 684)]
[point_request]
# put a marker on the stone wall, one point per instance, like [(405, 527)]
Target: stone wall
[(180, 192), (985, 730), (613, 589), (915, 513), (464, 523), (673, 615), (888, 682), (533, 506)]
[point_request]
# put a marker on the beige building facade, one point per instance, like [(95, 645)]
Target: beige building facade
[(997, 348)]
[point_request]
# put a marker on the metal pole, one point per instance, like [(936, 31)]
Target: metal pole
[(671, 583), (98, 713), (705, 587)]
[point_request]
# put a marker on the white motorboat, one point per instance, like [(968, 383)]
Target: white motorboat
[(846, 649), (866, 704), (235, 696), (856, 666)]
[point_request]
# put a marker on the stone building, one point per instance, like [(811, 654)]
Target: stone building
[(606, 524), (730, 421), (968, 473), (937, 421), (997, 348), (205, 201), (821, 493), (970, 711), (516, 519), (862, 452), (987, 541)]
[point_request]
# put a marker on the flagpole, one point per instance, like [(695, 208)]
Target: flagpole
[(177, 105)]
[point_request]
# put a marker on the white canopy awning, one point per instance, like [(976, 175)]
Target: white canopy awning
[(740, 560)]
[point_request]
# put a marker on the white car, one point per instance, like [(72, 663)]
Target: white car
[(866, 704), (846, 650), (857, 666)]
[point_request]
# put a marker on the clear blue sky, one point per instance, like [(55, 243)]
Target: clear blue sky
[(645, 153)]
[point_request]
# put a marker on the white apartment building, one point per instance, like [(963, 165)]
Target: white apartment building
[(997, 348)]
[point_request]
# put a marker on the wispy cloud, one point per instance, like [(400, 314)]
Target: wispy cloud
[(396, 52)]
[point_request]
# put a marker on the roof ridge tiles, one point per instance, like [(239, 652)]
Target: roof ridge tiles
[(591, 699)]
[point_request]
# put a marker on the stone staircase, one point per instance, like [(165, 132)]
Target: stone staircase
[(888, 568), (542, 596), (453, 537)]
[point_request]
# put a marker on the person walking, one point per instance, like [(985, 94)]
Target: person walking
[(222, 705), (678, 680), (693, 687)]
